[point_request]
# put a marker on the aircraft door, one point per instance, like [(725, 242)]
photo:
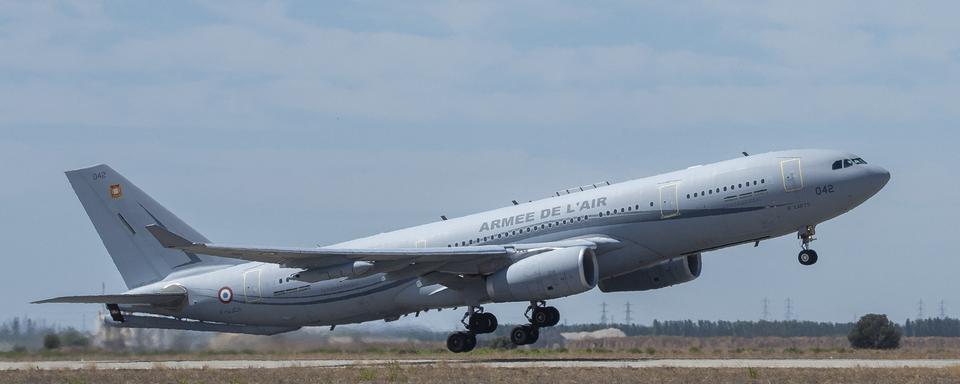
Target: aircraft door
[(792, 175), (668, 201), (251, 285)]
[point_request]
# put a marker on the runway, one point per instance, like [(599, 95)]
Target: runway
[(650, 363)]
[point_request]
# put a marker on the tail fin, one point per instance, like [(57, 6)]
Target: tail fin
[(120, 212)]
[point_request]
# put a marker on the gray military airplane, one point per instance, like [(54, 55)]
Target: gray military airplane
[(637, 235)]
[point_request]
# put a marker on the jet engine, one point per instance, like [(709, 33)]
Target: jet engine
[(661, 275), (548, 275)]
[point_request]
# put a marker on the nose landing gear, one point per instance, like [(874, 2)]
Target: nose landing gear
[(477, 322), (807, 256), (539, 315)]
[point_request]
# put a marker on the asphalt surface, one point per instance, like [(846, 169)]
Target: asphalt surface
[(653, 363)]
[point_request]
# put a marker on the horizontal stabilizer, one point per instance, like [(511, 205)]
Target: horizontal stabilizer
[(166, 238), (158, 299), (131, 321)]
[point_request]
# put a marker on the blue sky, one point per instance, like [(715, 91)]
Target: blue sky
[(302, 123)]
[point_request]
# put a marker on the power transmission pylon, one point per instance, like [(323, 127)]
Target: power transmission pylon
[(766, 310), (788, 314), (629, 319), (603, 312)]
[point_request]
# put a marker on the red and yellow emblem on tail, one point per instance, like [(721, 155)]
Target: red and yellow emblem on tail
[(115, 191)]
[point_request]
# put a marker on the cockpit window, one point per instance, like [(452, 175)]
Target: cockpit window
[(846, 163)]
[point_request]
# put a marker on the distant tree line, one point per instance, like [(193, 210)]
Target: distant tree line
[(23, 333), (941, 326), (707, 328)]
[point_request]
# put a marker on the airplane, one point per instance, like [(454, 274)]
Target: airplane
[(631, 236)]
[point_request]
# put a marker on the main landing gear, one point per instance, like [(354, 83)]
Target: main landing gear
[(807, 256), (477, 322), (539, 316)]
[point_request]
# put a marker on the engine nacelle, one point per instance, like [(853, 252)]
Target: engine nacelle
[(549, 275), (662, 275)]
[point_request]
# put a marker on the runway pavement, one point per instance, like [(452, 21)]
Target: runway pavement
[(649, 363)]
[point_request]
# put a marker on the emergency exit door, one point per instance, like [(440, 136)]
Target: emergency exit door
[(668, 201), (792, 175), (251, 285)]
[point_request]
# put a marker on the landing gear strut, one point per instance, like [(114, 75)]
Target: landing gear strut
[(807, 256), (539, 315), (477, 322)]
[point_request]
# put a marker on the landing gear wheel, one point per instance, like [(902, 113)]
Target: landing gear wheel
[(807, 257), (554, 316), (457, 342), (534, 334), (524, 334), (482, 323), (471, 342), (491, 323), (540, 317)]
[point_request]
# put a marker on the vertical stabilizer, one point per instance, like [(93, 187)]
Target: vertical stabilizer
[(120, 212)]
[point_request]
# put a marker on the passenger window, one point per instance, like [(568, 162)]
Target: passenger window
[(754, 182), (739, 185), (711, 191), (688, 195), (762, 181), (695, 194), (638, 205), (724, 189), (629, 209), (651, 203)]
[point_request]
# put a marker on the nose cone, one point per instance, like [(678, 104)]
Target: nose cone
[(874, 179)]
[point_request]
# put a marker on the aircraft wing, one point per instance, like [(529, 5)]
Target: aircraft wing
[(427, 259), (323, 257), (158, 299)]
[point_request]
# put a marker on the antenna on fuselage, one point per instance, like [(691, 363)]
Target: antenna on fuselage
[(745, 154), (442, 217), (515, 202)]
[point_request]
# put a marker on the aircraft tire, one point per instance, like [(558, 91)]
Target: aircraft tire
[(540, 317), (807, 257), (519, 335), (554, 316), (457, 342)]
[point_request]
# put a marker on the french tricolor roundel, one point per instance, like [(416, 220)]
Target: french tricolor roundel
[(225, 295)]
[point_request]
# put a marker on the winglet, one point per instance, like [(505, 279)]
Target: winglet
[(168, 239)]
